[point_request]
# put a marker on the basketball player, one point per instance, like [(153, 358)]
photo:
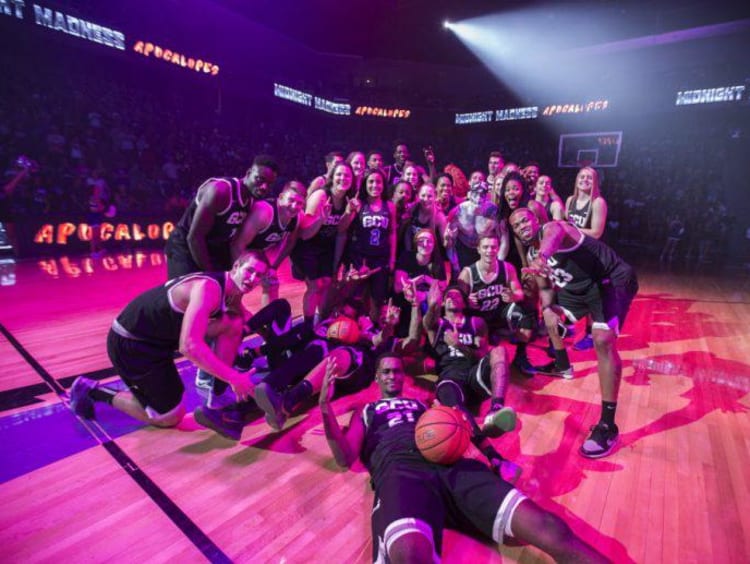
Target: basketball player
[(495, 295), (494, 165), (177, 316), (415, 499), (272, 228), (200, 240), (469, 370), (331, 160), (589, 278), (298, 361)]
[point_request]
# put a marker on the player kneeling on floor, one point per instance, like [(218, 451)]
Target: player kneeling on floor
[(180, 315)]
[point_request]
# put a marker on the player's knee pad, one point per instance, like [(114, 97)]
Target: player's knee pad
[(449, 393), (168, 419)]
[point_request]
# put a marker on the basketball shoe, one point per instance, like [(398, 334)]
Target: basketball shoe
[(601, 441), (499, 421), (80, 401)]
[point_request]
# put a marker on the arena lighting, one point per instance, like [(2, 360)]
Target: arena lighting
[(447, 24), (576, 51), (376, 111)]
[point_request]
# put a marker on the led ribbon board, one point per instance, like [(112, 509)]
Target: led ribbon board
[(148, 49), (576, 108), (59, 21), (375, 111), (710, 95)]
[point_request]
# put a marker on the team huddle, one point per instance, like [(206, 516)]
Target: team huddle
[(405, 269)]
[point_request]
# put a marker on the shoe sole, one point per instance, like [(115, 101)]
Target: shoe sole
[(504, 422), (265, 403), (556, 374), (201, 418), (600, 454)]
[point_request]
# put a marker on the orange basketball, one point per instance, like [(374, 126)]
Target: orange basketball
[(344, 329), (442, 434)]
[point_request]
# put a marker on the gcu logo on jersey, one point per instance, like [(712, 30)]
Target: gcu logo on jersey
[(490, 291), (332, 219), (236, 218), (397, 404), (375, 221)]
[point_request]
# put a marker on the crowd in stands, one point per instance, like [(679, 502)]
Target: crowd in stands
[(153, 147)]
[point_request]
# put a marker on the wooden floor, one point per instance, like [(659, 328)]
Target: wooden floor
[(677, 489)]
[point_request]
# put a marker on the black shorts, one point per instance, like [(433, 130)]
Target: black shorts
[(513, 316), (378, 282), (608, 304), (425, 498), (475, 381), (310, 264), (180, 260), (148, 370)]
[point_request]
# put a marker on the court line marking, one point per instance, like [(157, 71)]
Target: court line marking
[(194, 533)]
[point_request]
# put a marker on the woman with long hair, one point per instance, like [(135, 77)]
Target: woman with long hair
[(314, 259), (424, 214), (357, 161), (372, 245), (545, 195), (586, 208)]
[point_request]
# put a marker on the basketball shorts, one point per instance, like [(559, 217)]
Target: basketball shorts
[(425, 498), (180, 260), (310, 264), (608, 304), (512, 316), (378, 282), (475, 380), (148, 370)]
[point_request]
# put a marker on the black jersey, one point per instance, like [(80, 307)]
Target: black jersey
[(370, 231), (580, 217), (488, 290), (448, 356), (587, 263), (390, 424), (274, 232), (226, 223), (414, 225), (152, 316)]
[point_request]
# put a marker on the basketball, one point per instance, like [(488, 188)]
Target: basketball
[(345, 330), (442, 434)]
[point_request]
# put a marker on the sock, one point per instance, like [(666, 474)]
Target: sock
[(608, 412), (102, 394), (297, 395), (497, 403), (489, 451), (561, 359), (520, 352)]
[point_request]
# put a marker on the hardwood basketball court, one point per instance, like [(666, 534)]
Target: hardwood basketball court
[(676, 489)]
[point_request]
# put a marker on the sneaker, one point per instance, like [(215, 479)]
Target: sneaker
[(498, 422), (507, 470), (203, 380), (244, 361), (601, 441), (270, 401), (524, 367), (80, 401), (585, 344), (551, 369), (226, 422)]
